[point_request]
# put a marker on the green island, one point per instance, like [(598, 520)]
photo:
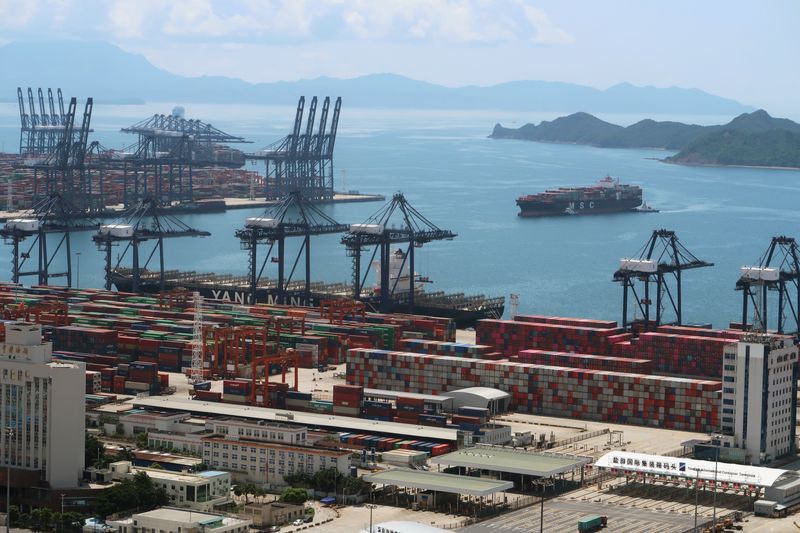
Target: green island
[(750, 139)]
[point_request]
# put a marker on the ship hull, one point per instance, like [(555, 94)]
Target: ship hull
[(577, 207), (241, 296)]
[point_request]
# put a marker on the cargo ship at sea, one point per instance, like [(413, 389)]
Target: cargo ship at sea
[(465, 310), (607, 196)]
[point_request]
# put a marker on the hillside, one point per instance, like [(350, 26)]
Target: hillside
[(730, 147), (102, 70), (753, 139)]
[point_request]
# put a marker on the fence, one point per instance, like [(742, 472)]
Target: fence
[(580, 437), (735, 516)]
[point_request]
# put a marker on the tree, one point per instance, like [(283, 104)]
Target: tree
[(125, 454), (294, 495), (41, 519), (326, 480), (141, 440), (138, 492), (94, 451)]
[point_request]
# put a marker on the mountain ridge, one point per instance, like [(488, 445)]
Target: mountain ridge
[(108, 73), (749, 139)]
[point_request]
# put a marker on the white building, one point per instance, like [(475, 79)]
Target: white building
[(266, 463), (168, 520), (246, 429), (759, 396), (192, 442), (138, 421), (203, 491), (42, 402)]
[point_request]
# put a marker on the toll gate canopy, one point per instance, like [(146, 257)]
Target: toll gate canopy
[(725, 474), (436, 481), (513, 461)]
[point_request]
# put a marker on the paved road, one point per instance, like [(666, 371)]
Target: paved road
[(563, 516)]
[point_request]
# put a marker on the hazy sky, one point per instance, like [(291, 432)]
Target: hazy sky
[(747, 50)]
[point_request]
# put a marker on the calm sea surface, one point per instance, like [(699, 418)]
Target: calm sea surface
[(467, 183)]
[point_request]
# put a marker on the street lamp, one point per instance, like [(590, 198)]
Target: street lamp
[(544, 483), (78, 256), (10, 432), (370, 507)]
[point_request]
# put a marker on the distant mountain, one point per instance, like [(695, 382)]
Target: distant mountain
[(108, 73), (751, 139)]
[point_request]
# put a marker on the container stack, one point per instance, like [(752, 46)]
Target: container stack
[(375, 410), (236, 390), (298, 401), (94, 382), (347, 400), (456, 349), (409, 409), (83, 339), (684, 355), (510, 337), (207, 396), (586, 361), (615, 397), (142, 377), (382, 444)]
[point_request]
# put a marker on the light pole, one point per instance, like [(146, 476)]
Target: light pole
[(78, 255), (716, 465), (9, 434), (696, 491), (370, 507), (62, 512)]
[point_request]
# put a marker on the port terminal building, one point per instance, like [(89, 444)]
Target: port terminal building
[(783, 486), (311, 420)]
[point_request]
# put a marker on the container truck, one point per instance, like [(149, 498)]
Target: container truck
[(592, 523)]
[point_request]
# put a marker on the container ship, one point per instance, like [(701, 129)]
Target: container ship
[(464, 310), (607, 196)]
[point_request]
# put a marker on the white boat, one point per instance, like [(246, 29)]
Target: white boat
[(644, 208)]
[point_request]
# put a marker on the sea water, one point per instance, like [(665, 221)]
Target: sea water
[(467, 183)]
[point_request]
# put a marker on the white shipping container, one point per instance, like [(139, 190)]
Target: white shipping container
[(373, 229), (116, 230), (261, 222), (760, 273), (23, 224), (638, 265)]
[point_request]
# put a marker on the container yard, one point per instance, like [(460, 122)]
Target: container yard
[(658, 401), (550, 366)]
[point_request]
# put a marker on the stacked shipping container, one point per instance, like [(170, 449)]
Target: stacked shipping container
[(676, 403)]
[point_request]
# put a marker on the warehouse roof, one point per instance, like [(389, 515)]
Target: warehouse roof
[(512, 460), (485, 392), (326, 421), (420, 479), (381, 393), (693, 468)]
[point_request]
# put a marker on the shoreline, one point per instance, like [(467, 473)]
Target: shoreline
[(720, 165), (717, 165), (230, 204)]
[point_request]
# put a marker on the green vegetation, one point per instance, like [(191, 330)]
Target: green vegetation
[(294, 495), (246, 489), (138, 493), (45, 519), (328, 480), (754, 139), (95, 454), (141, 440), (778, 148)]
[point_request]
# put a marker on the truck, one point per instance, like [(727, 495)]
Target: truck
[(202, 385), (592, 523)]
